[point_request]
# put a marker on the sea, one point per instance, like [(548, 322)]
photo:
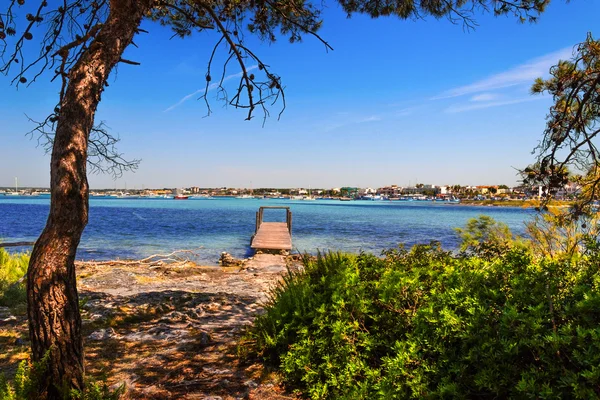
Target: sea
[(122, 228)]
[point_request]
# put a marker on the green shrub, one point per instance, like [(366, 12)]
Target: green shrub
[(98, 390), (13, 267), (421, 323), (25, 382), (487, 238)]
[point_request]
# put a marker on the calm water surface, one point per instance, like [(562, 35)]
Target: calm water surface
[(136, 228)]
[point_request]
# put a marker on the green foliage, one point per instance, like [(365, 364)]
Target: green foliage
[(421, 323), (13, 268), (26, 382), (570, 137), (98, 390), (487, 237)]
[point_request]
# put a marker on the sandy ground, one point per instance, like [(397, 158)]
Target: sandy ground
[(168, 332)]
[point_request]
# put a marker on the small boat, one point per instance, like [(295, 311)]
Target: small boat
[(309, 197), (452, 200), (181, 197)]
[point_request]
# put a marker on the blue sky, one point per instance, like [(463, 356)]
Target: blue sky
[(396, 102)]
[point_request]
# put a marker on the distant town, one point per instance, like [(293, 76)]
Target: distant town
[(392, 192)]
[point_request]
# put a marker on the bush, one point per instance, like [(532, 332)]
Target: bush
[(25, 382), (13, 267), (422, 323)]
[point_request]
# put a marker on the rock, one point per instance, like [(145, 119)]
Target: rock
[(174, 316), (97, 335), (94, 317), (4, 312), (295, 257), (103, 334), (216, 371), (205, 338), (160, 331), (6, 316), (212, 307), (127, 384), (227, 260), (250, 383)]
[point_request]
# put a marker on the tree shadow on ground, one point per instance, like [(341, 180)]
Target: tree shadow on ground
[(173, 344), (14, 343)]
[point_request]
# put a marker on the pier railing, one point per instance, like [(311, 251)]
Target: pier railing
[(260, 213)]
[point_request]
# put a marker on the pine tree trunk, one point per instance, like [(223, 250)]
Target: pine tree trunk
[(53, 307)]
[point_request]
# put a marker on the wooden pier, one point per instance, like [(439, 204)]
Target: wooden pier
[(272, 235)]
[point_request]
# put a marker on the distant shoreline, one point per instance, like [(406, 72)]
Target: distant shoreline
[(514, 203)]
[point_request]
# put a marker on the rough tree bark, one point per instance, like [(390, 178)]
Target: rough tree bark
[(53, 309)]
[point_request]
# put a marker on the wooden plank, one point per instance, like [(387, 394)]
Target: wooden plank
[(272, 236)]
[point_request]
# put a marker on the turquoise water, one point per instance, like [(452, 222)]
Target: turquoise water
[(136, 228)]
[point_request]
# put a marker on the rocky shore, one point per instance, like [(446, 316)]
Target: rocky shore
[(168, 331)]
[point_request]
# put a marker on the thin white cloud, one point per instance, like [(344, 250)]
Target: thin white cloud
[(405, 112), (521, 74), (478, 106), (337, 124), (212, 86), (372, 118), (484, 97)]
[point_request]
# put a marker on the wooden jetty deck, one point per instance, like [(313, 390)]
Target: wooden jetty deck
[(272, 235)]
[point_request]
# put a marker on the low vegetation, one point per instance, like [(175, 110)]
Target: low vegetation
[(13, 268), (26, 381), (497, 321)]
